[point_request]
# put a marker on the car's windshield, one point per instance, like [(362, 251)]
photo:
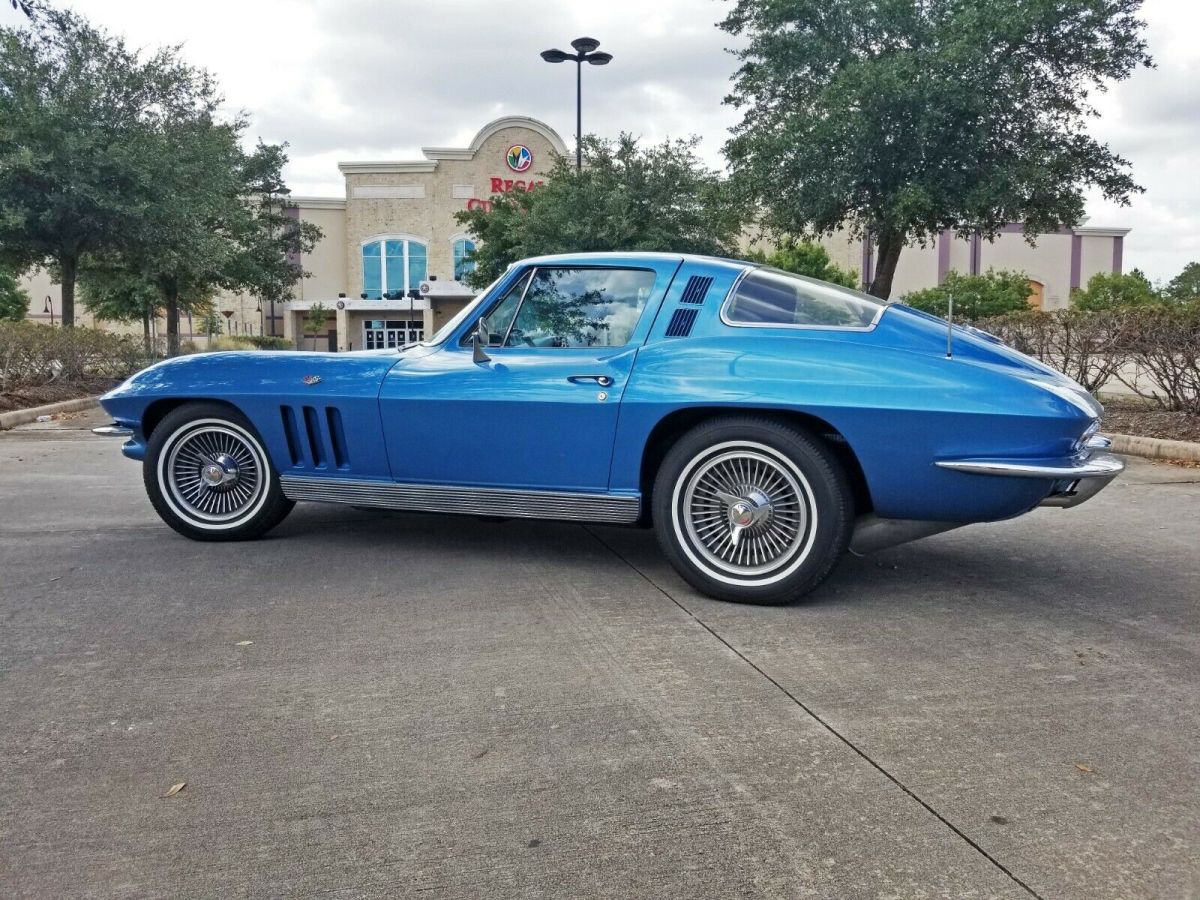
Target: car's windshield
[(446, 330)]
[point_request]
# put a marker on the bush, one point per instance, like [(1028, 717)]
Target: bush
[(249, 342), (1163, 344), (14, 302), (1107, 290), (1088, 347), (994, 293), (1155, 345), (804, 258), (32, 355)]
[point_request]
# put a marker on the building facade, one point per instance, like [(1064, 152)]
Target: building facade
[(1056, 263), (389, 268)]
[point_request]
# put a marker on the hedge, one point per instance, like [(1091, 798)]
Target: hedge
[(32, 355)]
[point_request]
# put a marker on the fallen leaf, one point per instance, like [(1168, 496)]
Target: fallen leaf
[(1082, 768), (244, 643), (175, 789)]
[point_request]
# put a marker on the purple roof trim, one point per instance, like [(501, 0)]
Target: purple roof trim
[(1118, 254), (293, 212), (976, 253)]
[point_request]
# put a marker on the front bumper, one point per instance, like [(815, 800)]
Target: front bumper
[(1076, 480)]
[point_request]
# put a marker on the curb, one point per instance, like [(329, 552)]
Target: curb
[(1155, 448), (24, 416)]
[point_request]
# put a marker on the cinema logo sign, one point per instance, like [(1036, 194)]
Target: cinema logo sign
[(503, 186)]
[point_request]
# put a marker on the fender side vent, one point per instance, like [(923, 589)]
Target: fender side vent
[(292, 433), (337, 437), (696, 289), (316, 446), (682, 322)]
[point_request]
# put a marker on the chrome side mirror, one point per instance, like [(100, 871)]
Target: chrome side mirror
[(478, 341)]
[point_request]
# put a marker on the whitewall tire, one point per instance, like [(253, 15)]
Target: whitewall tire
[(209, 477), (752, 510)]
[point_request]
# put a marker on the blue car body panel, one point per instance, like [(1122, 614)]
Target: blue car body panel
[(538, 418)]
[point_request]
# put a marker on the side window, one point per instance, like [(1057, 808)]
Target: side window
[(581, 308), (772, 297), (499, 318)]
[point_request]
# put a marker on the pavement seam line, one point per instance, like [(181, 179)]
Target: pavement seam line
[(817, 718)]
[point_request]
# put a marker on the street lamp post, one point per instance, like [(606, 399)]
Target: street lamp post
[(585, 52)]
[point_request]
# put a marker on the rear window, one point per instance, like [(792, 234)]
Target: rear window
[(773, 297)]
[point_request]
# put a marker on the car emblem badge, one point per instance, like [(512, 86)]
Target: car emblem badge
[(310, 380)]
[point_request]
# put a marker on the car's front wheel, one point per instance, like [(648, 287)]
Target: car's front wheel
[(209, 476), (752, 510)]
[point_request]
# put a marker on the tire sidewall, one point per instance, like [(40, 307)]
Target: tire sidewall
[(269, 507), (819, 475)]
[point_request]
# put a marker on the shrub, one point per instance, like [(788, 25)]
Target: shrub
[(1111, 290), (1163, 344), (32, 355), (249, 342), (14, 302), (994, 293), (1088, 347), (804, 258)]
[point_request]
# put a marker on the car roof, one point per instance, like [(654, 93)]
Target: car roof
[(633, 256)]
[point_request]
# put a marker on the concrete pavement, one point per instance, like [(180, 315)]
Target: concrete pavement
[(369, 705)]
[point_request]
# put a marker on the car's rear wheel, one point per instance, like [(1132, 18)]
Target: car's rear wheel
[(752, 510), (209, 476)]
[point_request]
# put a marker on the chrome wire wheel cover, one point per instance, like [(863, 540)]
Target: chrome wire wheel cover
[(214, 474), (745, 513)]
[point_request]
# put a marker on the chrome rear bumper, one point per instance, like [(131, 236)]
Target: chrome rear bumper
[(1078, 479), (113, 430)]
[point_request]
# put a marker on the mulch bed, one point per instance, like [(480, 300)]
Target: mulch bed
[(24, 398), (1126, 416)]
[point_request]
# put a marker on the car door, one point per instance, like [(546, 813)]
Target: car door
[(541, 411)]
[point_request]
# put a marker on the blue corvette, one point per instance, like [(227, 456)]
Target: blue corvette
[(761, 422)]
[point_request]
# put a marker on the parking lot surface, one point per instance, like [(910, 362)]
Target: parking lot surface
[(376, 705)]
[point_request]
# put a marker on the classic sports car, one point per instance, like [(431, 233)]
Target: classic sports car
[(761, 422)]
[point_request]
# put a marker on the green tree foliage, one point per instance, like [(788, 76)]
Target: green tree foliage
[(314, 321), (804, 258), (14, 302), (903, 119), (1184, 287), (121, 156), (627, 197), (1115, 291), (78, 161), (993, 293)]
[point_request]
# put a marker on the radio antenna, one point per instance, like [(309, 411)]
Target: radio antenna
[(950, 326)]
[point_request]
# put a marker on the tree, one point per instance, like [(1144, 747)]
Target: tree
[(314, 321), (898, 120), (1115, 291), (975, 296), (113, 293), (14, 302), (79, 163), (626, 197), (1184, 287), (808, 259)]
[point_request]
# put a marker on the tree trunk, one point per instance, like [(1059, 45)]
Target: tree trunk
[(891, 242), (68, 263), (172, 304), (146, 332)]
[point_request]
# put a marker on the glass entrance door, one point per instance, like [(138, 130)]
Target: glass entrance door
[(381, 334)]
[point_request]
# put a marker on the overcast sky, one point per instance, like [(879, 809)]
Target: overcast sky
[(372, 79)]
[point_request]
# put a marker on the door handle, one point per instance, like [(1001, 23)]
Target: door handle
[(602, 380)]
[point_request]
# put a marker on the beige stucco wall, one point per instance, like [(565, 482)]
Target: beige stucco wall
[(1049, 262), (326, 264), (430, 218)]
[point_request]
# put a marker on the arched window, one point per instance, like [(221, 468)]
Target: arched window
[(463, 247), (393, 265)]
